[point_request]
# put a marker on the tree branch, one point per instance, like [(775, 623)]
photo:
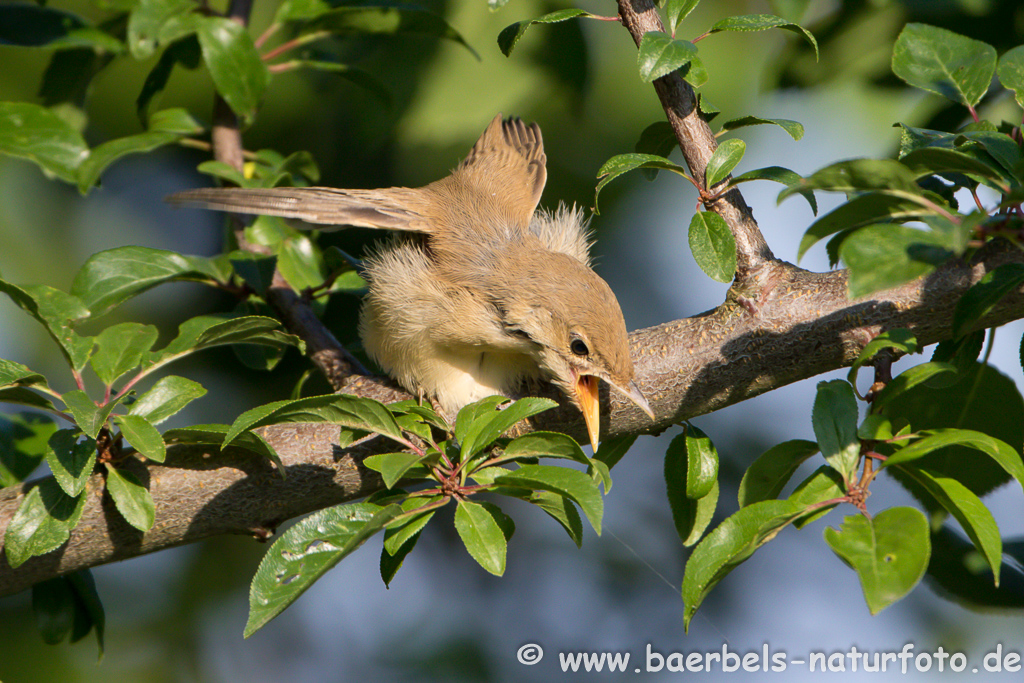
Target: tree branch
[(803, 325), (698, 143)]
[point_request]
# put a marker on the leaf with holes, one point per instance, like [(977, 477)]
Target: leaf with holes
[(889, 552), (306, 551)]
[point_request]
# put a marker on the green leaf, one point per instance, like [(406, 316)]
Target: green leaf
[(42, 523), (111, 277), (889, 552), (887, 255), (58, 312), (132, 499), (510, 35), (207, 331), (967, 508), (778, 174), (256, 270), (401, 532), (71, 461), (713, 245), (141, 434), (166, 398), (31, 132), (977, 164), (214, 434), (730, 544), (763, 22), (185, 52), (978, 301), (88, 608), (53, 603), (392, 466), (725, 158), (300, 263), (306, 551), (691, 479), (1011, 72), (24, 442), (1000, 451), (482, 534), (945, 63), (657, 139), (16, 374), (25, 397), (926, 406), (660, 54), (908, 379), (573, 484), (545, 445), (872, 207), (561, 509), (768, 475), (341, 409), (88, 416), (239, 74), (120, 348), (859, 175), (825, 485), (391, 563), (701, 460), (26, 25), (165, 127), (485, 430), (959, 571), (794, 128), (158, 22), (834, 417), (387, 18), (676, 11), (901, 340), (623, 163)]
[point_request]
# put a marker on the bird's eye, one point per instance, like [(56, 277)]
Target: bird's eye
[(579, 347)]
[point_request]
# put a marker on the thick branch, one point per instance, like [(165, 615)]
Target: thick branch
[(698, 143), (801, 325)]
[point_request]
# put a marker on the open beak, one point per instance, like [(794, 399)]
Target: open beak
[(587, 395)]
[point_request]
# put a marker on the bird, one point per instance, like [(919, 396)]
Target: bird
[(478, 292)]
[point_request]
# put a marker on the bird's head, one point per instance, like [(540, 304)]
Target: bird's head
[(578, 334)]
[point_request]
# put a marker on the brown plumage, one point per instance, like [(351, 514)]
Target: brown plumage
[(488, 293)]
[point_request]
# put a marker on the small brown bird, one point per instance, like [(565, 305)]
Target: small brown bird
[(487, 292)]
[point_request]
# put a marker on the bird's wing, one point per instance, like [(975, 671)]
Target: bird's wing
[(396, 208), (508, 164)]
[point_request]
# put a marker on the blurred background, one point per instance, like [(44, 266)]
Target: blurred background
[(178, 615)]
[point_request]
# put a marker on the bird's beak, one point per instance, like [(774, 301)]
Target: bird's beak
[(587, 395)]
